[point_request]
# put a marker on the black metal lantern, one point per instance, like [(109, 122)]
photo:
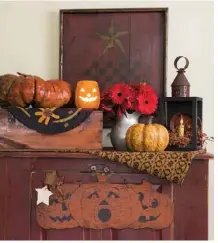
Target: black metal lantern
[(181, 85), (184, 122)]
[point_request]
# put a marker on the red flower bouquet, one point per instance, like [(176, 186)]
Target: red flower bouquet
[(125, 97)]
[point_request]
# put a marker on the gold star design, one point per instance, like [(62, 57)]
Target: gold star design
[(112, 38)]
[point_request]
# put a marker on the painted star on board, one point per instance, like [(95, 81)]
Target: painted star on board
[(112, 38)]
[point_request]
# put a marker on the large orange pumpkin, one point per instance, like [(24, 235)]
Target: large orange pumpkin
[(149, 137), (87, 94), (25, 90), (104, 205)]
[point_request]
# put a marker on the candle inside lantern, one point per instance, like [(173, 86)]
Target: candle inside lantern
[(181, 129)]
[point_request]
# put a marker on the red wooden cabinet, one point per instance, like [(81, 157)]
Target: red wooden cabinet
[(22, 172)]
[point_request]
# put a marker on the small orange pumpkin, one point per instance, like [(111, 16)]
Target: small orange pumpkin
[(150, 138), (57, 215), (87, 94), (156, 208)]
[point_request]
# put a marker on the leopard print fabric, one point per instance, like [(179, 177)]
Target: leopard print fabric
[(170, 165)]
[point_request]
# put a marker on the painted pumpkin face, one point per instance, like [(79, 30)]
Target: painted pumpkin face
[(57, 215), (101, 206), (87, 94), (156, 208)]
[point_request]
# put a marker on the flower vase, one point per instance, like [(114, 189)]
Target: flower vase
[(118, 132)]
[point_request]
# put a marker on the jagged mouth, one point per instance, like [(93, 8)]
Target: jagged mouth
[(88, 99), (144, 219)]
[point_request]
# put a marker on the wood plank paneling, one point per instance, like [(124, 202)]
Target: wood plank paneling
[(18, 200), (191, 204), (36, 232), (3, 194)]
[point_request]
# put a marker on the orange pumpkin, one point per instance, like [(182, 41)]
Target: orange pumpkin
[(150, 137), (25, 90), (57, 215), (104, 205), (156, 208), (87, 94)]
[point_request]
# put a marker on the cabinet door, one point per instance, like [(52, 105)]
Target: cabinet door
[(75, 172)]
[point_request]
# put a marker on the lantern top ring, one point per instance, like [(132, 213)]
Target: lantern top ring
[(176, 62)]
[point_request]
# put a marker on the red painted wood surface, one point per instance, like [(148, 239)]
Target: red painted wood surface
[(21, 173), (137, 55), (144, 43)]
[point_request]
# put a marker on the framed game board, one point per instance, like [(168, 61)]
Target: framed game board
[(110, 46)]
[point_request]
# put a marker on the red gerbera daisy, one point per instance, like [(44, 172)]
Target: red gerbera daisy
[(119, 92), (147, 101)]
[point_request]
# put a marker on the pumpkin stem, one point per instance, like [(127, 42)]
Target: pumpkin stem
[(101, 178), (22, 74), (146, 185), (146, 119)]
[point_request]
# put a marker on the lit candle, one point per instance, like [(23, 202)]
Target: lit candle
[(181, 128)]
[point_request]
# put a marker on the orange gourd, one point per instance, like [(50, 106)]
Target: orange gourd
[(87, 94), (149, 137)]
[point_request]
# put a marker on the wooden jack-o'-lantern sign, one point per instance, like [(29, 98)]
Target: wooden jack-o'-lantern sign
[(57, 215), (87, 94), (102, 205), (156, 208)]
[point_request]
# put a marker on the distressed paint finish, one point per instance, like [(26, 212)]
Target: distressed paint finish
[(87, 135), (22, 172), (110, 46)]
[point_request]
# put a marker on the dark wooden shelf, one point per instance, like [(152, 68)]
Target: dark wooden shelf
[(49, 153)]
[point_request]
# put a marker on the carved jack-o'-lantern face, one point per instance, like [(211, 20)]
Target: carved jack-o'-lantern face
[(102, 206), (87, 94), (156, 208), (57, 215)]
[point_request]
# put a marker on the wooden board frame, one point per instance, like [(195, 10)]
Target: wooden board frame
[(108, 123)]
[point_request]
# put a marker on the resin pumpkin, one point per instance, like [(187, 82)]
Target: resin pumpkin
[(87, 94), (103, 205), (156, 208), (25, 90), (57, 215), (150, 138)]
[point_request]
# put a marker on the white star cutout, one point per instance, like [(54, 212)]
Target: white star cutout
[(43, 195)]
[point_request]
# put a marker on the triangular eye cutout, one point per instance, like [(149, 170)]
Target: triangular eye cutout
[(113, 194), (93, 194)]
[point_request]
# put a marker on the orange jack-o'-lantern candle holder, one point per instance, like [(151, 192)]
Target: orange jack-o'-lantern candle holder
[(87, 94)]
